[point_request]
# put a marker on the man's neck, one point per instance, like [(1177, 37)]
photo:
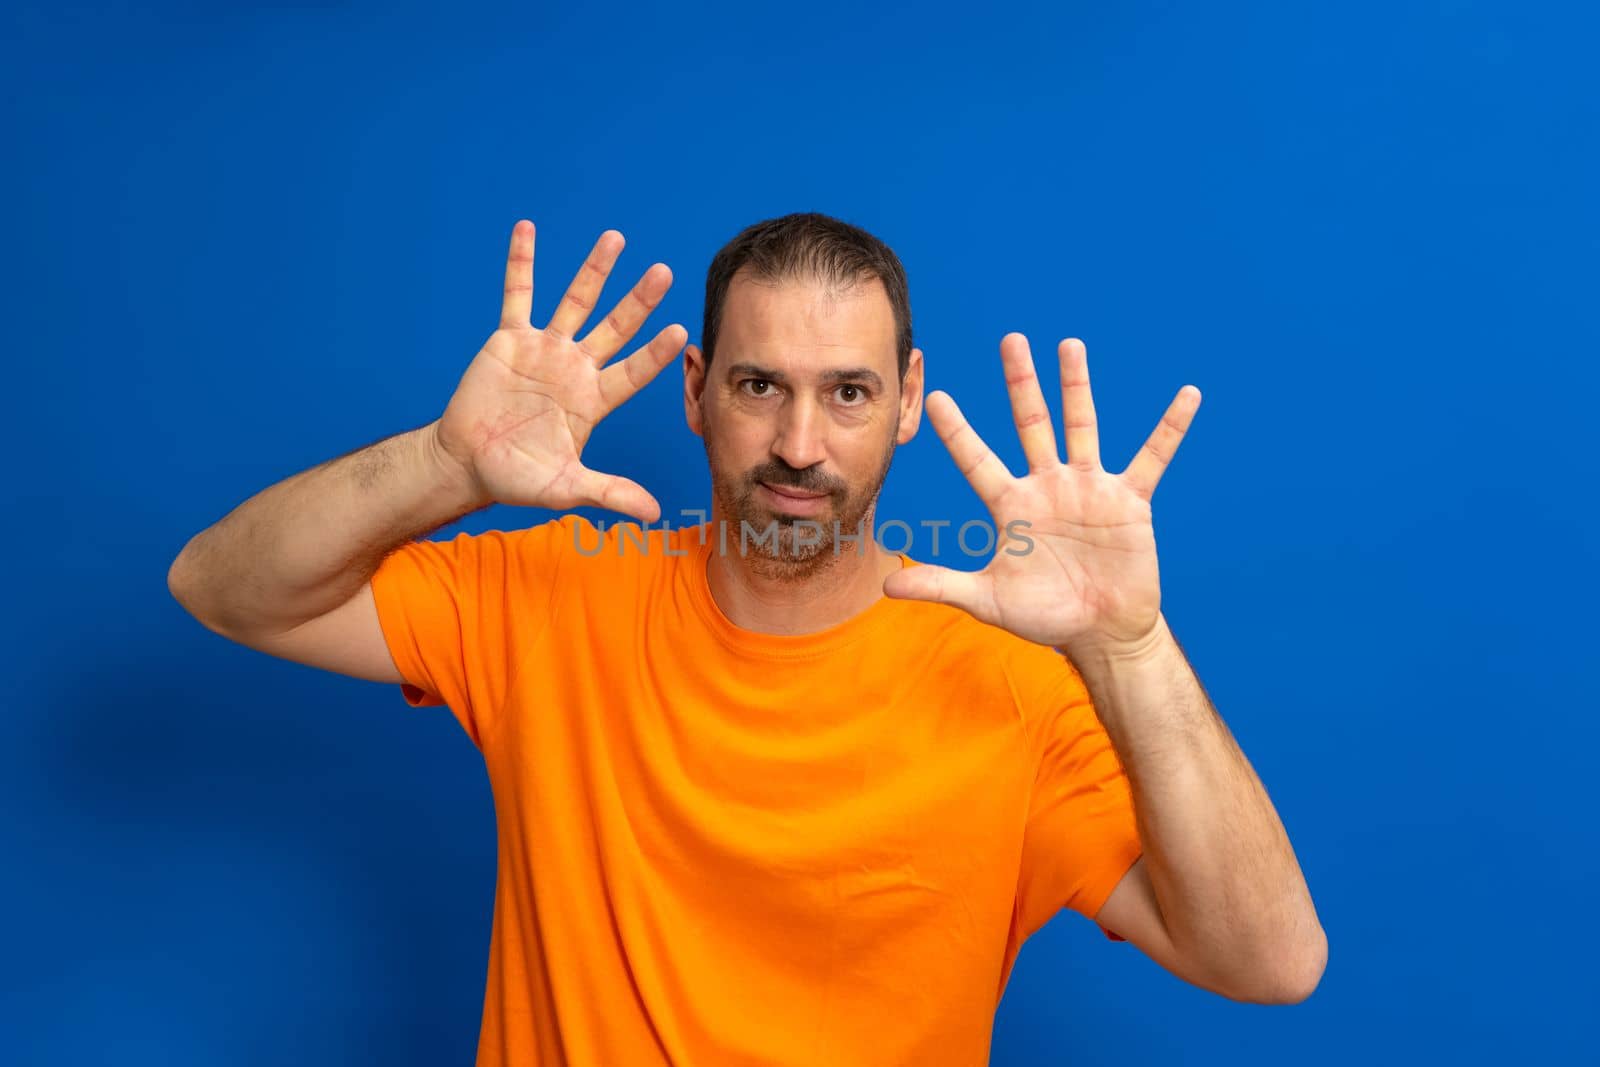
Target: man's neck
[(836, 592)]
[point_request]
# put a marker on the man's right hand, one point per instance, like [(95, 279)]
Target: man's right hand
[(528, 402)]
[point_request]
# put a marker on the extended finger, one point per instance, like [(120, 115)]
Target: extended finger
[(584, 292), (624, 320), (1077, 406), (625, 377), (941, 585), (616, 493), (1151, 461), (516, 304), (976, 460), (1028, 408)]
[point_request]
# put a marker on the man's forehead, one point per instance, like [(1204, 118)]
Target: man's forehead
[(802, 319)]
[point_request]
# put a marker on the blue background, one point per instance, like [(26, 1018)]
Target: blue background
[(242, 240)]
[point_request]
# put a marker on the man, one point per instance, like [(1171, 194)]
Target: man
[(791, 797)]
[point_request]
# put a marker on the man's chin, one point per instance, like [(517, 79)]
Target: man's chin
[(801, 542)]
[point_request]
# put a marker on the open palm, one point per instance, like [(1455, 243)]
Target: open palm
[(1090, 572), (528, 402)]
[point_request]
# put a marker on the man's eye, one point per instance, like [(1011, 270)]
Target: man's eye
[(852, 394), (756, 386)]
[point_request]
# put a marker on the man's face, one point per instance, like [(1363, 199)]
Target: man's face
[(800, 414)]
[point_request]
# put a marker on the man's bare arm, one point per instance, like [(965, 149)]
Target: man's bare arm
[(288, 571), (1218, 897), (306, 548)]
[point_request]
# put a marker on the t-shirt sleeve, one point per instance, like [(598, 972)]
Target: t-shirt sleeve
[(1081, 836), (455, 612)]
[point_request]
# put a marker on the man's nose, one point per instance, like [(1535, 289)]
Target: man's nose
[(802, 434)]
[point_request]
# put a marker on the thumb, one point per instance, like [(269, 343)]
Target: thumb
[(940, 585), (615, 493)]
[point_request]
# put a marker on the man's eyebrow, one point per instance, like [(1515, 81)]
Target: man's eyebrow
[(830, 377)]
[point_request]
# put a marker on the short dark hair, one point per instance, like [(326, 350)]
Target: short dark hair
[(811, 246)]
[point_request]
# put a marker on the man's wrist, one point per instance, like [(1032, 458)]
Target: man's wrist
[(1096, 650), (453, 476)]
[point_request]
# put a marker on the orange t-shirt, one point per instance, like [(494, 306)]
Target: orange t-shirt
[(718, 846)]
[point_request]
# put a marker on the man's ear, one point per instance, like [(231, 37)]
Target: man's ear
[(694, 387), (911, 398)]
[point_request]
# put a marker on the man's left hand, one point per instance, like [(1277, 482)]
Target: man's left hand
[(1090, 576)]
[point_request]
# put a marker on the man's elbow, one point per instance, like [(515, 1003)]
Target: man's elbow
[(178, 581), (188, 587), (1293, 973)]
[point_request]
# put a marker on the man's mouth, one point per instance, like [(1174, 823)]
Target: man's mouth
[(798, 503), (793, 493)]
